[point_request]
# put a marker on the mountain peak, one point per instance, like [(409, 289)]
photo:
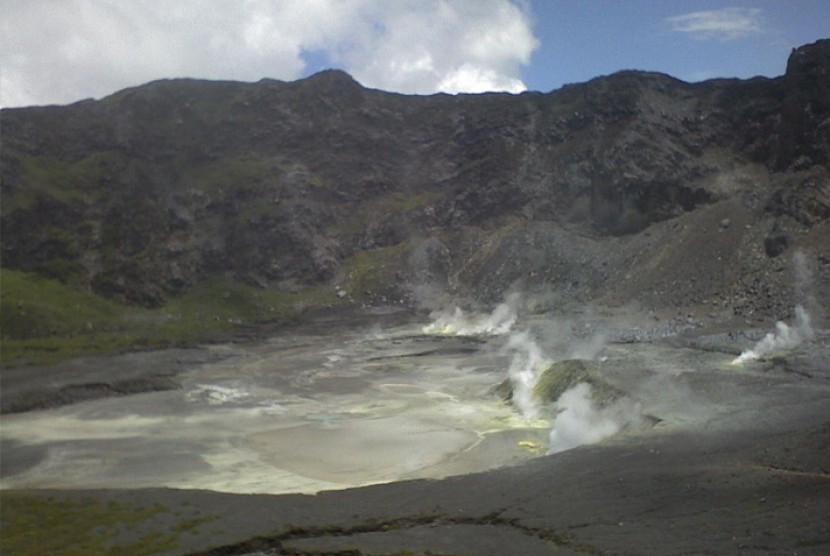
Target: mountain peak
[(334, 77)]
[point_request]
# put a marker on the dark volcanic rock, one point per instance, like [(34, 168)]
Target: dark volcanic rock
[(777, 241), (149, 191), (74, 393), (805, 137)]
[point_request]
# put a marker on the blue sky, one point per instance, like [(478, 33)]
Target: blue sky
[(582, 39), (61, 51)]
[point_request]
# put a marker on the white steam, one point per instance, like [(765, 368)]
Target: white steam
[(218, 394), (456, 322), (785, 337), (526, 364), (580, 422)]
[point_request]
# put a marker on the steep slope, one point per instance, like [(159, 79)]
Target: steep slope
[(601, 191)]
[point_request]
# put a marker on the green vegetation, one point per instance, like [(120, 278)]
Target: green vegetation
[(43, 321), (393, 207), (374, 269), (236, 173), (33, 306), (33, 524), (45, 177), (226, 301)]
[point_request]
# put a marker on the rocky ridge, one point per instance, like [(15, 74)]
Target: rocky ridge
[(631, 187)]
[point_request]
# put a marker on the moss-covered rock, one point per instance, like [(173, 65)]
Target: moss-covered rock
[(561, 376), (372, 273)]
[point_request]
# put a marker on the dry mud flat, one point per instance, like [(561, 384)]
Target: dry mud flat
[(737, 464), (301, 412)]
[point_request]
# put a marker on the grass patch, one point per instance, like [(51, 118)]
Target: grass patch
[(32, 306), (373, 270), (225, 301), (33, 524), (392, 207), (236, 173), (45, 321), (83, 181)]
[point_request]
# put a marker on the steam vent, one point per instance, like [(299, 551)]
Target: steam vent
[(312, 317)]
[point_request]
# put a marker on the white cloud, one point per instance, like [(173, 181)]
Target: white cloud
[(472, 79), (59, 51), (450, 46), (725, 24)]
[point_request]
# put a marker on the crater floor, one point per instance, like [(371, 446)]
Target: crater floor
[(730, 459)]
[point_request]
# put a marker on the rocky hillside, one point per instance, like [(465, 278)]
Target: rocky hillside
[(631, 187)]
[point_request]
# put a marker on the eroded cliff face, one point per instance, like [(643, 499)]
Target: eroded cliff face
[(631, 186)]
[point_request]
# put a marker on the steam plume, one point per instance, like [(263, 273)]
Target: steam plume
[(580, 422), (526, 363), (785, 337), (456, 322)]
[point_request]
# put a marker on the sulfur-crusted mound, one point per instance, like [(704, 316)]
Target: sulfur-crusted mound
[(561, 376)]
